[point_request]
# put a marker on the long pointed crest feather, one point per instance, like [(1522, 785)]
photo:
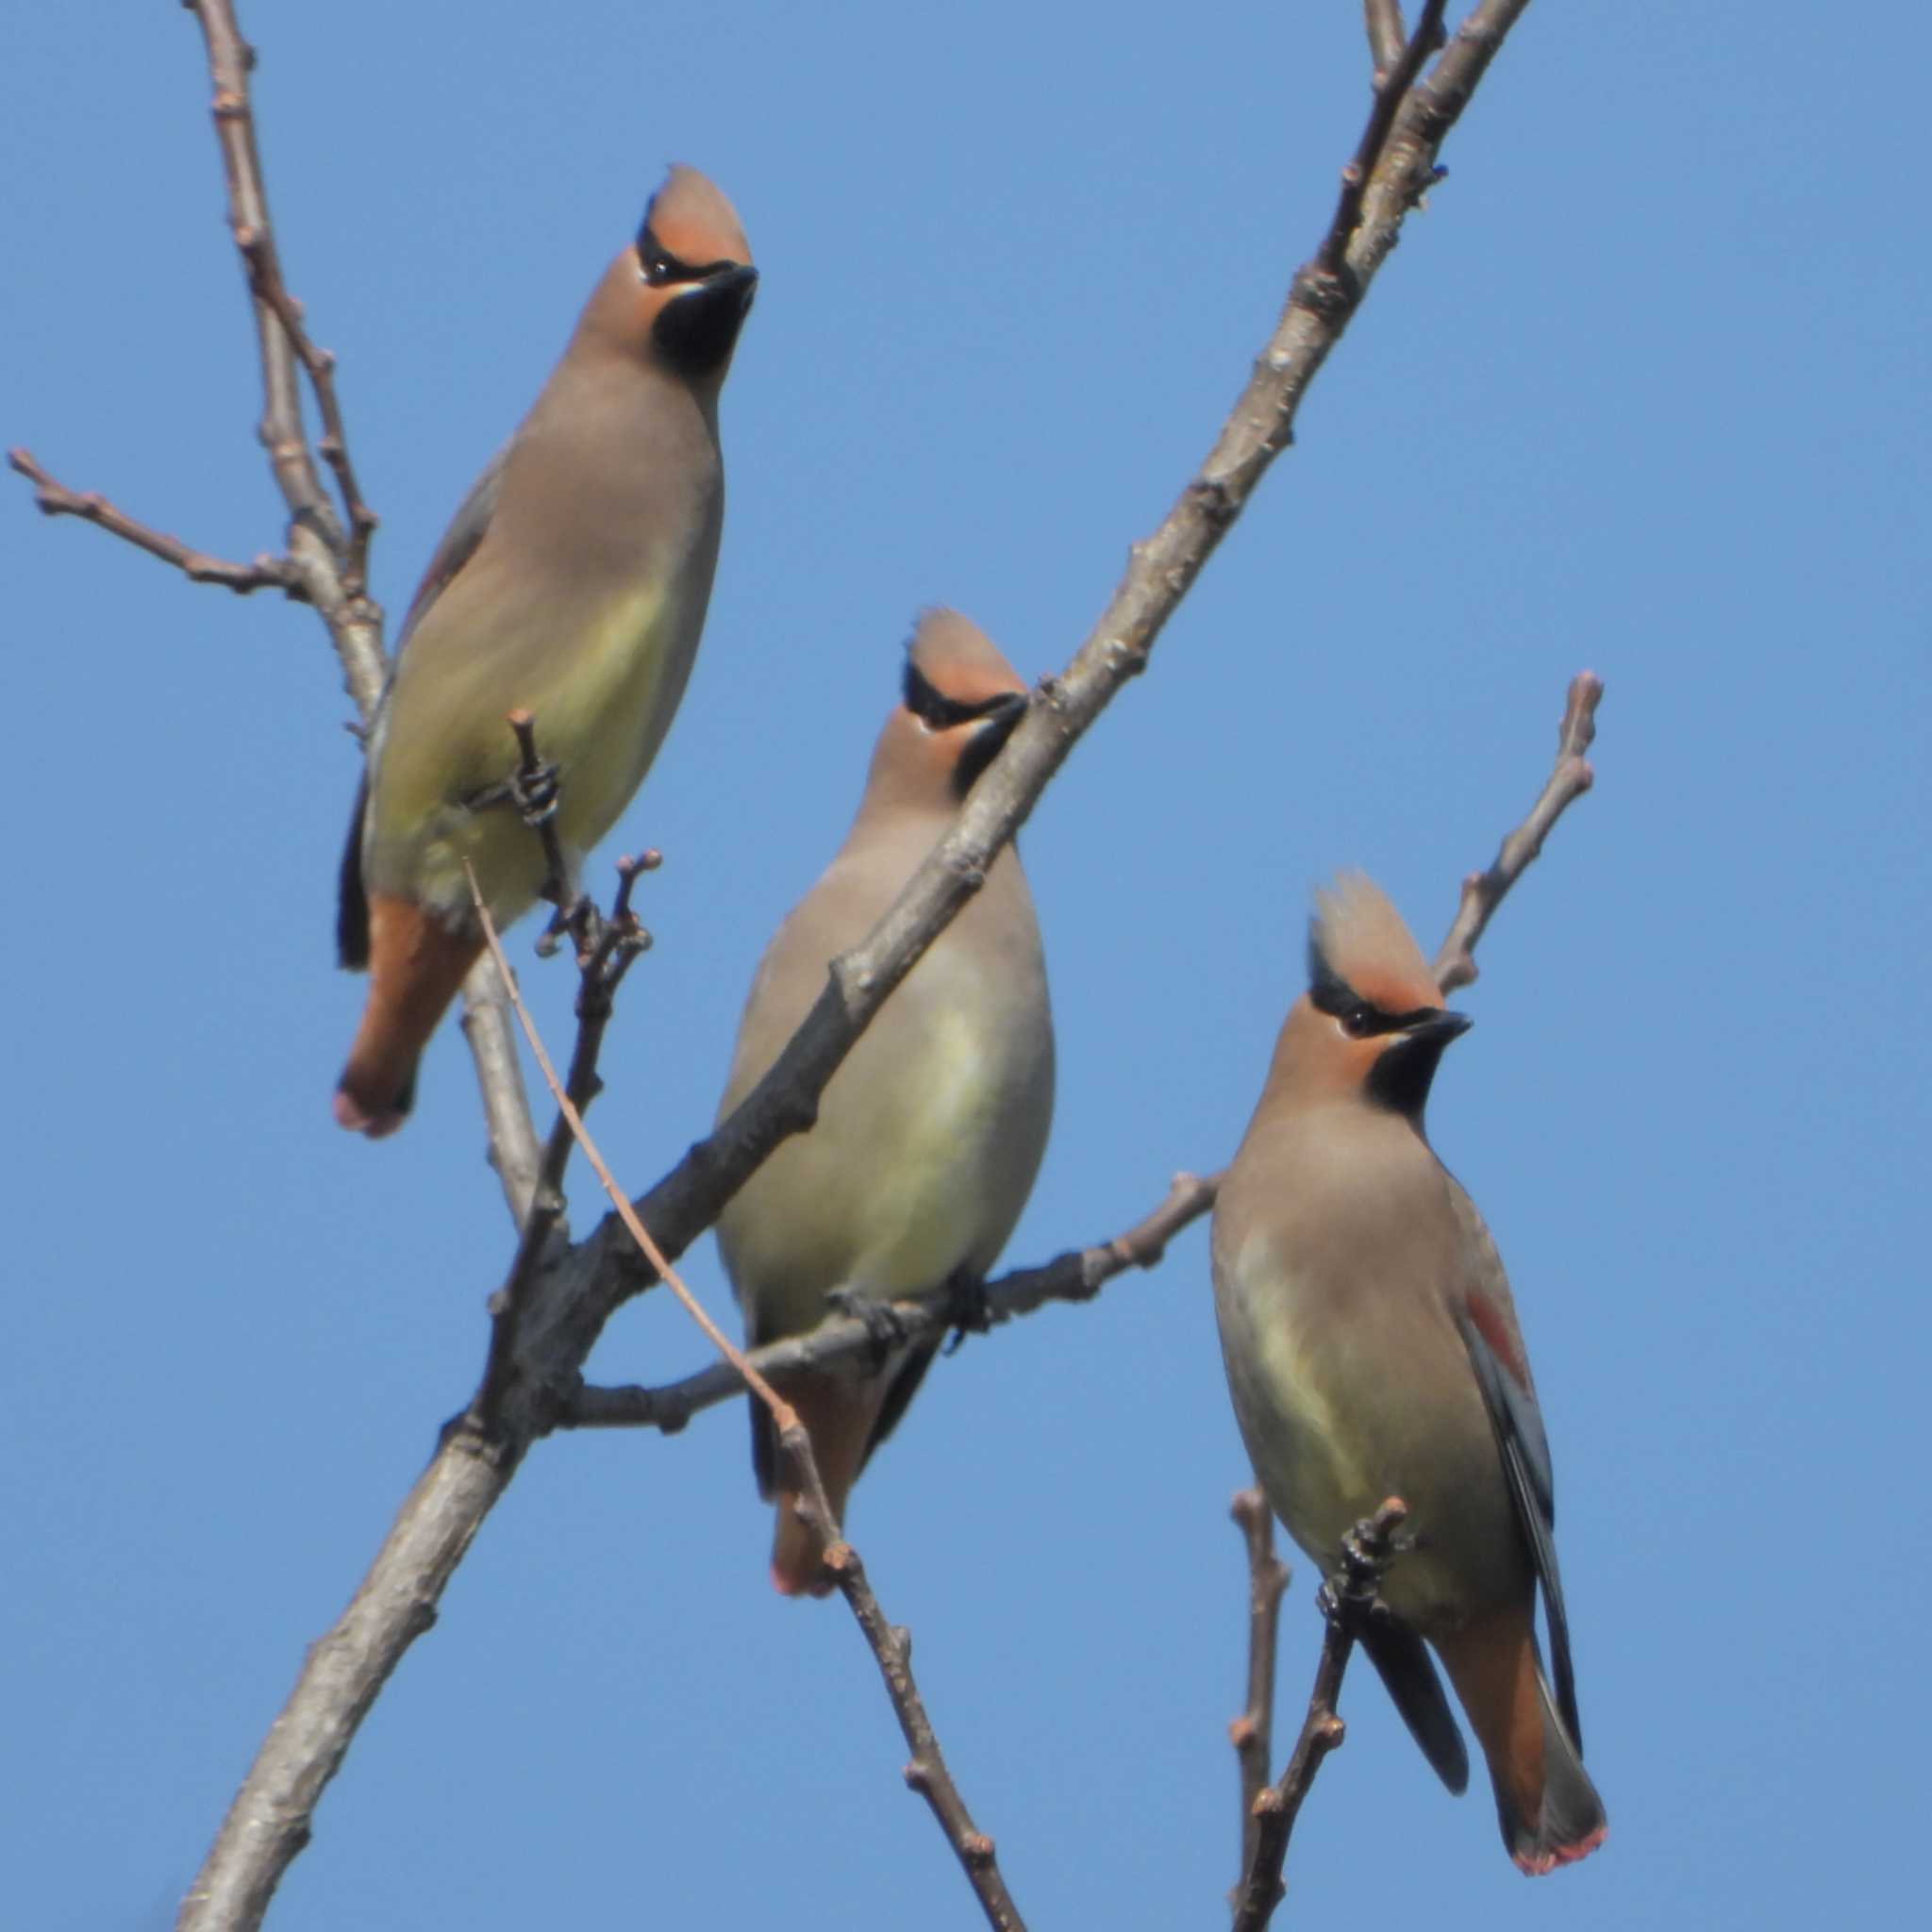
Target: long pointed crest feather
[(1359, 937), (958, 659)]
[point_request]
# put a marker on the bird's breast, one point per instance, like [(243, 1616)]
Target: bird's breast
[(927, 1142), (1347, 1394)]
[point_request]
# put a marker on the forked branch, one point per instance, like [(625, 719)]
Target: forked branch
[(891, 1646), (1252, 1733), (1347, 1599), (574, 1293), (1483, 892)]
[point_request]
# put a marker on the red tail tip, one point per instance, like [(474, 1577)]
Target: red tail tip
[(1546, 1859)]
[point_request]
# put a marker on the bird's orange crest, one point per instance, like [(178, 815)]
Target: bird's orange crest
[(693, 219), (1362, 938), (959, 660)]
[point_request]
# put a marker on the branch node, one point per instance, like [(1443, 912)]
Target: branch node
[(1214, 500)]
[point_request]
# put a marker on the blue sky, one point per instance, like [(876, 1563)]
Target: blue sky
[(1643, 390)]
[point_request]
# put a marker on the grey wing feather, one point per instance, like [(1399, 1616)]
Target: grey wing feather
[(459, 544), (1526, 1451), (352, 901)]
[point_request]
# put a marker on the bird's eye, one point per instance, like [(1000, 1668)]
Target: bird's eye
[(657, 269), (1359, 1021)]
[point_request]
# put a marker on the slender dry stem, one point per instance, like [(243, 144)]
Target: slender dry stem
[(54, 499), (1077, 1276), (601, 970), (891, 1646), (1347, 1598), (572, 1299), (1252, 1732), (1387, 34), (1392, 89), (1483, 892)]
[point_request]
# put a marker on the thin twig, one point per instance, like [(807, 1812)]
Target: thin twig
[(1252, 1732), (534, 790), (783, 1415), (268, 1823), (510, 1132), (620, 940), (283, 339), (891, 1646), (1387, 34), (1347, 1599), (1392, 89), (265, 282), (1483, 892), (1077, 1276), (231, 60), (56, 500)]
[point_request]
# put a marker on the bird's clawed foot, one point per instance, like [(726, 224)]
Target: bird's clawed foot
[(1349, 1595), (968, 1311), (533, 789), (885, 1330)]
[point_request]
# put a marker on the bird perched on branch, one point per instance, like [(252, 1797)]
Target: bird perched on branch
[(572, 585), (1372, 1350), (931, 1133)]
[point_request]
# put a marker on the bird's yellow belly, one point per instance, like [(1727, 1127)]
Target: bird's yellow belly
[(601, 713)]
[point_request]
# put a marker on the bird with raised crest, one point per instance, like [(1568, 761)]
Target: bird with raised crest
[(1372, 1350)]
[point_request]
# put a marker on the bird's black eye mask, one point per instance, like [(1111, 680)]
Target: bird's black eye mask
[(924, 699), (996, 717), (662, 268), (1328, 993)]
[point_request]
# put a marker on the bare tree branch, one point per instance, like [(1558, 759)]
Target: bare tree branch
[(891, 1647), (1392, 89), (601, 967), (511, 1132), (1347, 1600), (330, 560), (576, 1293), (1387, 34), (1079, 1273), (1252, 1732), (1077, 1276), (327, 559), (580, 1298), (1483, 892), (56, 500)]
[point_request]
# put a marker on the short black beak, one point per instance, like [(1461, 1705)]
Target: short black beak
[(1441, 1027), (739, 282)]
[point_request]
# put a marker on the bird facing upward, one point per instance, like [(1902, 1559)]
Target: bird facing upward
[(572, 584), (1372, 1350), (931, 1133)]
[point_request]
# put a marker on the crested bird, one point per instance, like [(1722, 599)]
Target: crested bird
[(1372, 1350), (572, 585), (931, 1133)]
